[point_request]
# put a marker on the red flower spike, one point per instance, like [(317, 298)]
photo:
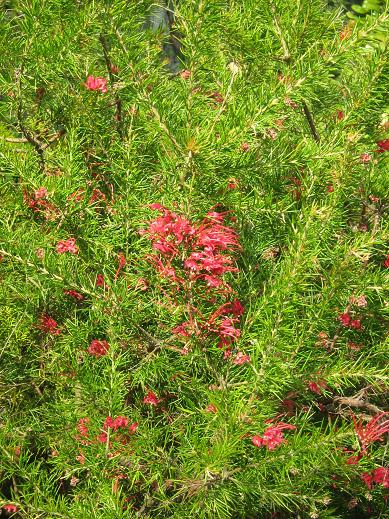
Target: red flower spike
[(100, 283), (10, 508), (386, 262), (373, 431)]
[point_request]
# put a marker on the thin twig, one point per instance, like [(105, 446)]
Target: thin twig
[(311, 123), (286, 56)]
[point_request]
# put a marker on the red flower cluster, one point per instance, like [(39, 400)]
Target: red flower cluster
[(48, 325), (96, 83), (272, 436), (194, 257), (379, 476), (98, 348), (68, 245), (349, 322), (374, 430), (10, 508), (386, 261)]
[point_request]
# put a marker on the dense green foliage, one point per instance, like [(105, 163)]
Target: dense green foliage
[(271, 111)]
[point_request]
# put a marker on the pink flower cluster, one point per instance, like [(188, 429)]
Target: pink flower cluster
[(195, 259), (96, 83), (379, 476), (114, 424), (272, 436)]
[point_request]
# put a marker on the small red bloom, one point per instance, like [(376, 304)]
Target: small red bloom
[(98, 348), (381, 476), (68, 245), (185, 74), (211, 408), (360, 301), (365, 158), (10, 508), (272, 436), (330, 188), (232, 183), (241, 359), (73, 293), (386, 262), (102, 437), (41, 193), (82, 427), (122, 261), (245, 147), (151, 398), (317, 386), (133, 427), (339, 115), (96, 83), (100, 283), (114, 68), (356, 324), (81, 458), (48, 325)]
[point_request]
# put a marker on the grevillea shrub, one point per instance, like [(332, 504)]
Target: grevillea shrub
[(194, 259)]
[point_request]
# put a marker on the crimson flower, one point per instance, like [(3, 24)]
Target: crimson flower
[(272, 436), (96, 83), (98, 348), (211, 408), (48, 325), (68, 245), (374, 430), (10, 508), (121, 263), (386, 262), (151, 398), (41, 193)]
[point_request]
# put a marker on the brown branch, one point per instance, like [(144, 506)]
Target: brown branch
[(311, 122), (358, 401), (112, 79), (15, 139)]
